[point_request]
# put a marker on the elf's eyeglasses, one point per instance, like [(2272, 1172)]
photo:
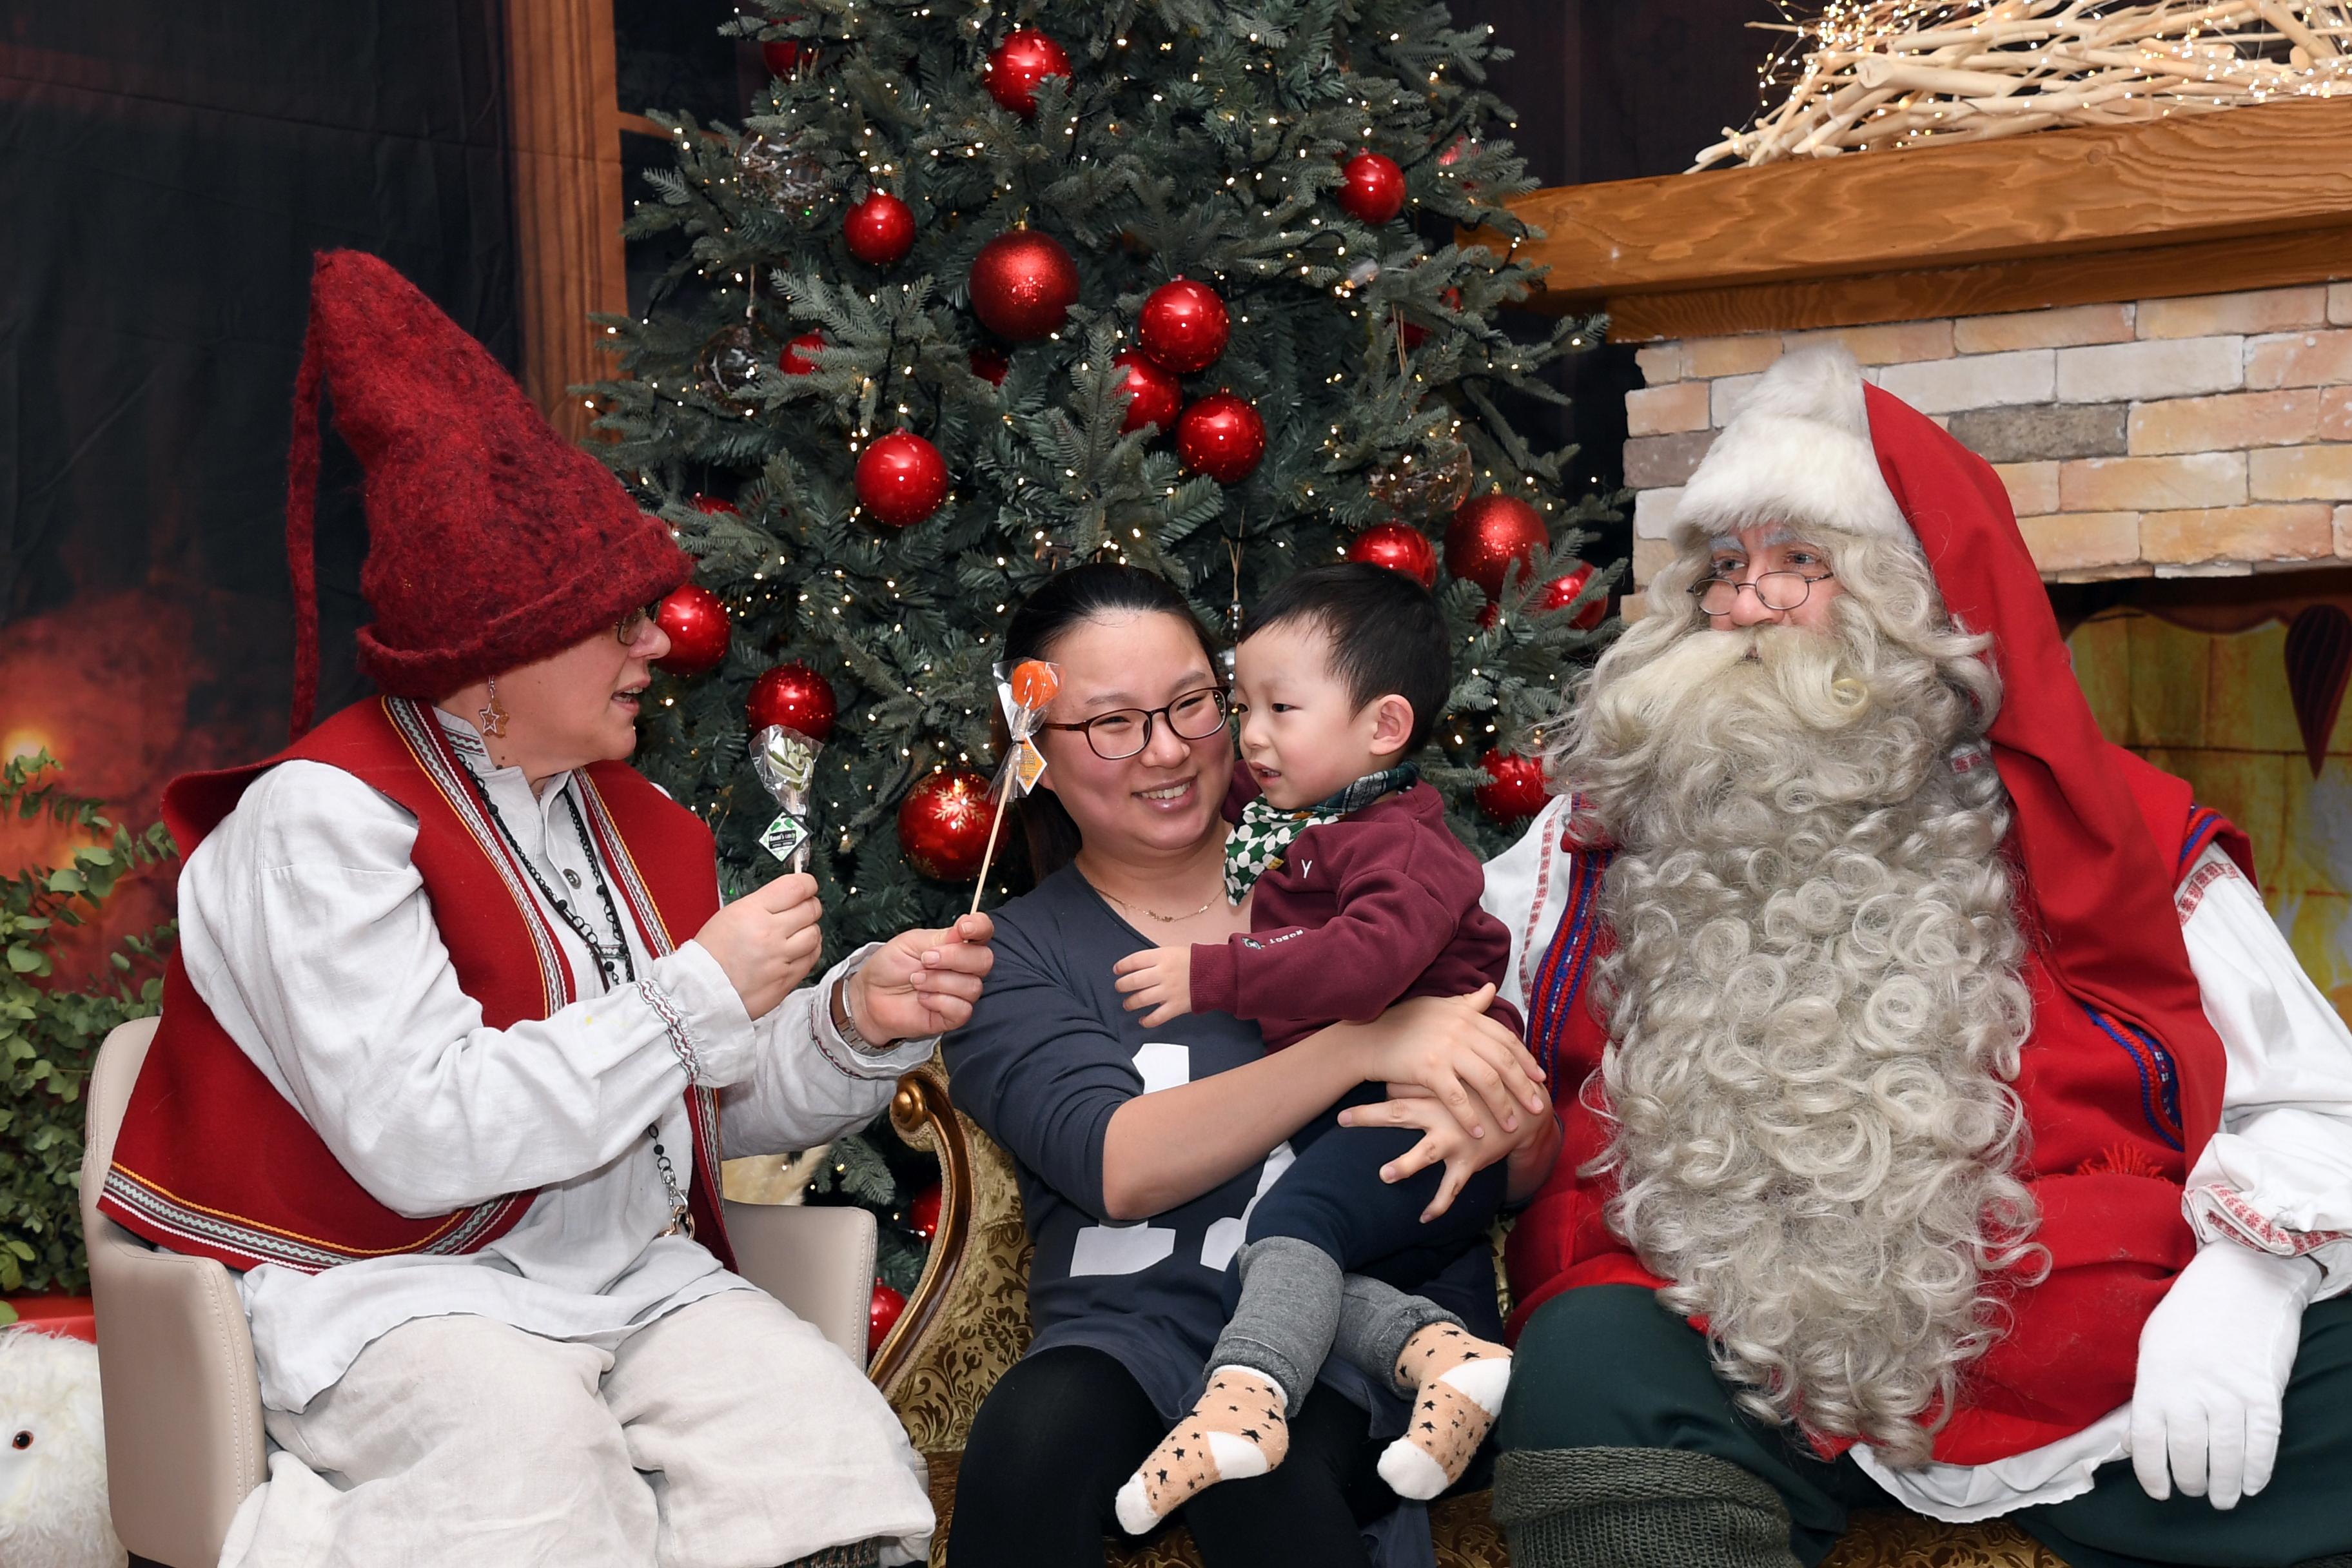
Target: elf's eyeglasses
[(631, 629)]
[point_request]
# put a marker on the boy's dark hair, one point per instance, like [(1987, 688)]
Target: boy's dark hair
[(1386, 635)]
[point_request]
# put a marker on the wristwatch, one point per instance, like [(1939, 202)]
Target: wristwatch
[(845, 1020)]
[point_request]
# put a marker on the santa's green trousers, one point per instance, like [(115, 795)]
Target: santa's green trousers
[(1622, 1449)]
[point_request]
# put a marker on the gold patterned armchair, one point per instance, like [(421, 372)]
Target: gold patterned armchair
[(967, 1321)]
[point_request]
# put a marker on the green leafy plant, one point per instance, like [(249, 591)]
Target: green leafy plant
[(49, 1036)]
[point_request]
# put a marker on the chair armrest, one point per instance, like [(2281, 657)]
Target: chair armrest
[(923, 1117), (183, 1401), (817, 1261)]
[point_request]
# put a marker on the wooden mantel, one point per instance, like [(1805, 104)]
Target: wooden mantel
[(2245, 198)]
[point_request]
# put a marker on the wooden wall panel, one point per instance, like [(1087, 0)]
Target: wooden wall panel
[(565, 128)]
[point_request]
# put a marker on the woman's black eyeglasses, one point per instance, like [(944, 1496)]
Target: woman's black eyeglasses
[(1123, 732)]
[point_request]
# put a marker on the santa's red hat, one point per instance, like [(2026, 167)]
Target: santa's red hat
[(492, 540), (1814, 446)]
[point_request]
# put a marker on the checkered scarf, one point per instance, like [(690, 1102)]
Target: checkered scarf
[(1256, 844)]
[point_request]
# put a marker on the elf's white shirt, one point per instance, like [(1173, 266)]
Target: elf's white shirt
[(307, 930), (2277, 1175)]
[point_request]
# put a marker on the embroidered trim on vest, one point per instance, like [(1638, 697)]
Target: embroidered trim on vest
[(1560, 982), (259, 1245), (2160, 1080), (423, 735), (2204, 824)]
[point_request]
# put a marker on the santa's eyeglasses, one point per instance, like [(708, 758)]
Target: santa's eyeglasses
[(1776, 591)]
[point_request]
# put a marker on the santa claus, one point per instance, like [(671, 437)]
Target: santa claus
[(1946, 1121)]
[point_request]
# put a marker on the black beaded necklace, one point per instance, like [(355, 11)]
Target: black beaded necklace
[(604, 955)]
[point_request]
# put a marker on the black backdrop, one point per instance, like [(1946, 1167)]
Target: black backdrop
[(166, 170)]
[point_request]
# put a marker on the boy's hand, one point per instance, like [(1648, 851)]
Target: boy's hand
[(1159, 978)]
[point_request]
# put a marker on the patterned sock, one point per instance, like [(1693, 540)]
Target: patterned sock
[(1458, 1382), (1236, 1430)]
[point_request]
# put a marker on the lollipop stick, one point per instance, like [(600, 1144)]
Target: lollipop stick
[(988, 856)]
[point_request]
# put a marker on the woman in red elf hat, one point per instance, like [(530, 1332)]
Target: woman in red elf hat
[(1947, 1124), (457, 1034)]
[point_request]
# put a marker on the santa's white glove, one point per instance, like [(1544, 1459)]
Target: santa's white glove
[(2213, 1364)]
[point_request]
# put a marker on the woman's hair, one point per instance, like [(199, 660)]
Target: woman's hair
[(1064, 601)]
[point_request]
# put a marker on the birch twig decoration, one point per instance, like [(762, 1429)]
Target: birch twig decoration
[(1867, 74)]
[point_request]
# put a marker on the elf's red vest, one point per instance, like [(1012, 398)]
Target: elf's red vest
[(2107, 1156), (212, 1160)]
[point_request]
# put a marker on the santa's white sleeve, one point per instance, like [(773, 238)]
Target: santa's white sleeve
[(306, 928), (2277, 1176), (807, 1084), (1522, 891)]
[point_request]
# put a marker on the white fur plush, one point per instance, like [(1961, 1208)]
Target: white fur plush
[(52, 1508), (1797, 452)]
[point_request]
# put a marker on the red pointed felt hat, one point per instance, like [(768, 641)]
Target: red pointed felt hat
[(492, 540)]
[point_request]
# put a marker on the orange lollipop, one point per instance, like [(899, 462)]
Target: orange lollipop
[(1035, 682)]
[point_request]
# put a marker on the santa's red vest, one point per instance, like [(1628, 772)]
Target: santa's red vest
[(212, 1160), (2107, 1157)]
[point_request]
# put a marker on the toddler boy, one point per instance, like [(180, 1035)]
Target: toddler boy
[(1360, 896)]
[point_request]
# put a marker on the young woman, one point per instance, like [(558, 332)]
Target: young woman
[(1140, 1151)]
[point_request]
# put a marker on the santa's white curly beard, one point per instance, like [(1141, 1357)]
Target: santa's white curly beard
[(1813, 999)]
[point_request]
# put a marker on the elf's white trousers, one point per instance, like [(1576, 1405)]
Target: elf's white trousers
[(727, 1434)]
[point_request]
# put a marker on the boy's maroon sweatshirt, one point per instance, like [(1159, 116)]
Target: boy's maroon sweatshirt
[(1357, 914)]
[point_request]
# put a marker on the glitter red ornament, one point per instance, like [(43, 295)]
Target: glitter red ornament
[(1184, 326), (1515, 788), (990, 365), (880, 229), (923, 1214), (1399, 547), (1371, 187), (791, 360), (882, 1315), (1024, 58), (1557, 595), (1154, 394), (1221, 437), (795, 696), (901, 479), (1024, 284), (695, 619), (943, 825), (1487, 534)]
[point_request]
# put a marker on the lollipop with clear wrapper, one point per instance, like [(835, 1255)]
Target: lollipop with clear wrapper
[(785, 762), (1024, 692)]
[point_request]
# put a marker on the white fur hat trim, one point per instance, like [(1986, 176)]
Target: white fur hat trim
[(1798, 451)]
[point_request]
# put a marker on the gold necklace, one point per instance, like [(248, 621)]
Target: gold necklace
[(1154, 914)]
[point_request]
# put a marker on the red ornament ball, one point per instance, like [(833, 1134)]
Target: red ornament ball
[(1515, 788), (1561, 591), (711, 506), (880, 229), (782, 54), (791, 362), (695, 621), (901, 479), (943, 825), (990, 365), (795, 696), (1490, 532), (1399, 547), (1371, 187), (1184, 326), (882, 1315), (1024, 58), (1024, 284), (1154, 394), (923, 1214), (1221, 437)]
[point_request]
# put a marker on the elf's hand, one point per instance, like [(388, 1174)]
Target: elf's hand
[(1159, 978)]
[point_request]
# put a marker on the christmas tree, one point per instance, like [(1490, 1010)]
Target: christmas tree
[(972, 295)]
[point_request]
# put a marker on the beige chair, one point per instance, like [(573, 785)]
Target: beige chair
[(183, 1438)]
